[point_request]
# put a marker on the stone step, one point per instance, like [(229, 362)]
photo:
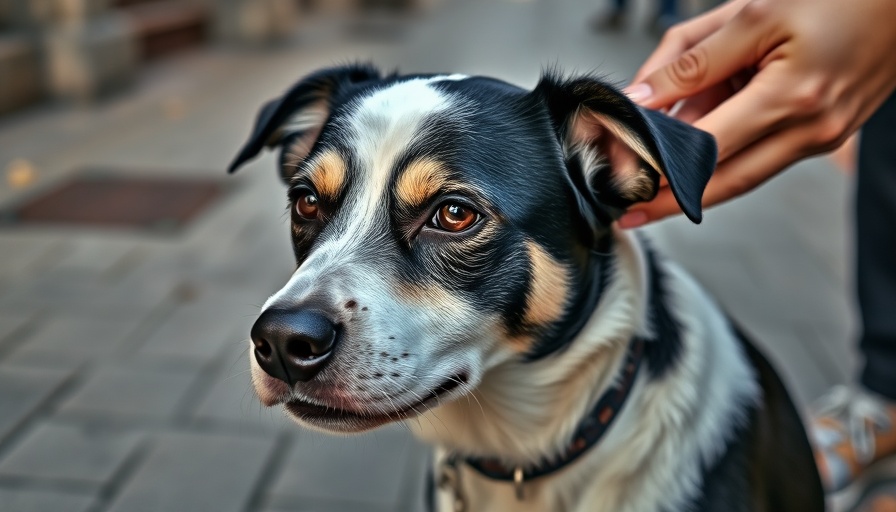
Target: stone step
[(167, 26)]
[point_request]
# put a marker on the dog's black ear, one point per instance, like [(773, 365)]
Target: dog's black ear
[(619, 150), (295, 119)]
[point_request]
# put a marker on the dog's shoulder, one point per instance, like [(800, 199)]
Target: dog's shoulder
[(768, 465), (765, 462)]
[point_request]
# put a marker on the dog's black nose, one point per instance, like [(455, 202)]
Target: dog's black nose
[(293, 345)]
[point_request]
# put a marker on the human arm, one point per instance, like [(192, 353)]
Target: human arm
[(774, 81)]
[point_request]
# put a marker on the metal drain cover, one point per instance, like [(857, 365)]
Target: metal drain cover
[(108, 201)]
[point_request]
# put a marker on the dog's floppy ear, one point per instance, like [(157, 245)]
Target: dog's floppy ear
[(619, 150), (295, 119)]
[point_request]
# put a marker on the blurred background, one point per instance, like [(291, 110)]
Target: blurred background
[(131, 266)]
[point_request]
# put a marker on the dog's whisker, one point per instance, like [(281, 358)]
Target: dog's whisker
[(392, 402), (420, 400), (454, 378), (233, 376)]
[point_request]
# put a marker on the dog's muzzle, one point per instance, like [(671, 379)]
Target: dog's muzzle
[(293, 346)]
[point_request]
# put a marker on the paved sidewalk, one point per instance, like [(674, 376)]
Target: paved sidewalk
[(123, 383)]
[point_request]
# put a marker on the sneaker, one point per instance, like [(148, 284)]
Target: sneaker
[(880, 504), (851, 430), (879, 497)]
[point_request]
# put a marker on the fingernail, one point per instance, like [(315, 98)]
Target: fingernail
[(639, 92), (632, 220)]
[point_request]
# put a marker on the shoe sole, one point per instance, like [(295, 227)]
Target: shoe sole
[(849, 498)]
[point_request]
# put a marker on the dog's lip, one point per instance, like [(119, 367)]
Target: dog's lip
[(317, 413)]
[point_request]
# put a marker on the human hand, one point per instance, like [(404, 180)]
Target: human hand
[(774, 81)]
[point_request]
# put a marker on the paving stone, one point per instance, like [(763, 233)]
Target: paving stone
[(32, 500), (23, 254), (10, 323), (131, 391), (88, 455), (825, 226), (331, 506), (97, 254), (230, 248), (200, 268), (230, 400), (60, 290), (200, 329), (22, 391), (828, 306), (264, 240), (196, 472), (69, 340), (370, 470)]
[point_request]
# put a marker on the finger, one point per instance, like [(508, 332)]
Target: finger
[(758, 164), (724, 53), (700, 104), (845, 157), (673, 44), (662, 206), (684, 36), (742, 173), (746, 117)]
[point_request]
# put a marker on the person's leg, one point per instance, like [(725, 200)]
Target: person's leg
[(668, 9), (613, 18), (855, 428), (876, 249), (666, 15)]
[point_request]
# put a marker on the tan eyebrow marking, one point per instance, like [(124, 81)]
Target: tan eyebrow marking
[(420, 180), (328, 174)]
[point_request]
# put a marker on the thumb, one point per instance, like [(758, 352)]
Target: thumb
[(732, 48)]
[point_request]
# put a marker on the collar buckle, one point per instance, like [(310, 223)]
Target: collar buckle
[(518, 482), (449, 481)]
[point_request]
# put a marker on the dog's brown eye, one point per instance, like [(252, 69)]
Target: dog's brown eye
[(454, 217), (306, 206)]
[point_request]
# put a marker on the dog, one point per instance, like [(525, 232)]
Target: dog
[(458, 263)]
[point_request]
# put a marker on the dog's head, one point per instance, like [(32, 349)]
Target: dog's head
[(443, 225)]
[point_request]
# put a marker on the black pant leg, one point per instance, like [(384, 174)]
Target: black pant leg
[(876, 249)]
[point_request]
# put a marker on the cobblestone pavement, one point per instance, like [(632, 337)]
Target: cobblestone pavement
[(123, 383)]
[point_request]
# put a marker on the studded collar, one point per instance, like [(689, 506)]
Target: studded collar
[(590, 430)]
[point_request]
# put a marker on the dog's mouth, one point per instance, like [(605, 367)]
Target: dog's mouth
[(344, 420)]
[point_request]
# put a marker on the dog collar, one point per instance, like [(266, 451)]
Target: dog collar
[(590, 430)]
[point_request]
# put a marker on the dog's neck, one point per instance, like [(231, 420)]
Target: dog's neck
[(524, 412), (655, 451)]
